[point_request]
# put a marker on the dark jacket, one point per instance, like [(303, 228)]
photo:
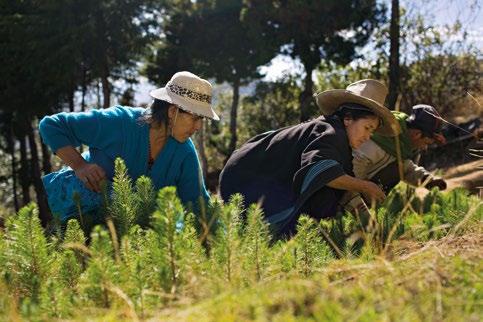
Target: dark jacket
[(287, 170)]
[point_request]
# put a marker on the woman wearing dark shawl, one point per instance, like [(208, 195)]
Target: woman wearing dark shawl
[(306, 168)]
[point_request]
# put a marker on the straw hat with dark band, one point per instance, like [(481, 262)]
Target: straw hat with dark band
[(189, 92), (366, 92)]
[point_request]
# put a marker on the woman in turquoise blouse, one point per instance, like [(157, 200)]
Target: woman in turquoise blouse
[(154, 142)]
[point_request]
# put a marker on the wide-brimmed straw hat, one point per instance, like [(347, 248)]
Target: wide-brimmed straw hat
[(189, 92), (367, 92)]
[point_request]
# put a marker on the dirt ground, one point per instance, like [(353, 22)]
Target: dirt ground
[(468, 175)]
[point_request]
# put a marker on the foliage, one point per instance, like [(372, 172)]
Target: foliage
[(226, 243), (311, 252), (122, 206), (429, 285), (334, 21), (255, 244), (274, 105), (102, 271), (439, 72), (26, 256), (167, 262)]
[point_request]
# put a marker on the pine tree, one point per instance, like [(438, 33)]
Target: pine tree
[(193, 260), (285, 256), (226, 250), (71, 263), (156, 257), (255, 245), (137, 270), (55, 299), (27, 253), (122, 207), (336, 234), (145, 201), (167, 221), (3, 259), (312, 251), (102, 271)]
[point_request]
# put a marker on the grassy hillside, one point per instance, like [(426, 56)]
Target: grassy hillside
[(416, 260), (432, 281)]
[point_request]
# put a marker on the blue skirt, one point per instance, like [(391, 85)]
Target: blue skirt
[(67, 195)]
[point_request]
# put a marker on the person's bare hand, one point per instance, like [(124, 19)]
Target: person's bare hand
[(373, 192), (91, 175)]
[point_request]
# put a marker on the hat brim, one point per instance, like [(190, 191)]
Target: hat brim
[(330, 100), (187, 104)]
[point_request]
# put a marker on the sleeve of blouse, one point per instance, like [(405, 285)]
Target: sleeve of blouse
[(191, 186), (321, 162), (95, 128)]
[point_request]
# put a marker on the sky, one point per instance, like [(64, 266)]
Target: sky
[(437, 12)]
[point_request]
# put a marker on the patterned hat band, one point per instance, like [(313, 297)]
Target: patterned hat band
[(181, 91)]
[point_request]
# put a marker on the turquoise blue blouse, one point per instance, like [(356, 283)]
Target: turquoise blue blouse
[(111, 133)]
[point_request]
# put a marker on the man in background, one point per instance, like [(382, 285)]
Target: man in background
[(377, 159)]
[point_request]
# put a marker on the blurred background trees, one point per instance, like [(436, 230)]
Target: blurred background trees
[(70, 55)]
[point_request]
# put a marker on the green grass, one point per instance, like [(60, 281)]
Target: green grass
[(442, 282), (421, 260)]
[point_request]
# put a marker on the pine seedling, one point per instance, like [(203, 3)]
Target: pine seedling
[(167, 221), (193, 261), (137, 269), (434, 196), (8, 304), (453, 206), (226, 252), (145, 201), (26, 253), (284, 254), (102, 271), (55, 299), (3, 249), (74, 233), (336, 231), (470, 219), (158, 279), (123, 206), (71, 264), (255, 245), (312, 251), (208, 222)]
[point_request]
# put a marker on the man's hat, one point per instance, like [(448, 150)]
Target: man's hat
[(425, 118)]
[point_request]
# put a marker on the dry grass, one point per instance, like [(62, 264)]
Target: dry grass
[(436, 280)]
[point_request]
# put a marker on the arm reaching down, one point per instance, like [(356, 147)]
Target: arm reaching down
[(368, 188)]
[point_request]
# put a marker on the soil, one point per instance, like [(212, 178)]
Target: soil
[(468, 175)]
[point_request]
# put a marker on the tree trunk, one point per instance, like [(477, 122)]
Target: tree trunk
[(233, 117), (83, 99), (84, 90), (98, 94), (71, 101), (306, 95), (106, 90), (46, 165), (11, 148), (44, 212), (394, 56), (201, 149), (24, 171)]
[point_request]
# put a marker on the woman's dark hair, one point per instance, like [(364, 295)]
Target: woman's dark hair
[(354, 111), (157, 112)]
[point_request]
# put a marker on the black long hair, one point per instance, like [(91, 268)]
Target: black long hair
[(354, 111), (156, 113)]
